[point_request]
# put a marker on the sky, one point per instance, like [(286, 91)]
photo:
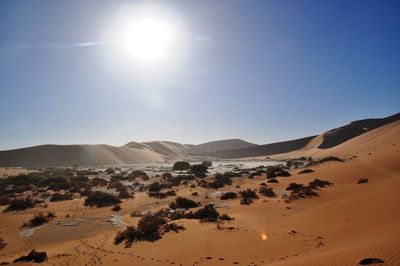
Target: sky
[(263, 71)]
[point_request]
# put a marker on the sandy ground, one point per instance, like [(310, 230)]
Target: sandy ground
[(346, 223), (11, 171)]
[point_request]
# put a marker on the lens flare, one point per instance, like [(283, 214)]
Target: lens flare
[(264, 236)]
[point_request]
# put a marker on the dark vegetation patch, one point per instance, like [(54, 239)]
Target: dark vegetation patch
[(362, 181), (220, 181), (162, 195), (123, 193), (155, 190), (199, 170), (208, 213), (39, 219), (272, 180), (301, 191), (101, 199), (266, 191), (183, 203), (298, 163), (276, 170), (33, 256), (21, 204), (368, 261), (5, 200), (181, 166), (98, 182), (138, 174), (329, 159), (317, 183), (295, 186), (150, 228), (305, 192), (3, 244), (61, 197), (306, 171), (248, 196), (155, 187), (228, 195), (116, 208)]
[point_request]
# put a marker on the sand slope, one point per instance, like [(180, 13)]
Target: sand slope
[(379, 138), (82, 155), (93, 155)]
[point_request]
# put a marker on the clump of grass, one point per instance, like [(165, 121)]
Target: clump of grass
[(317, 183), (101, 199), (228, 195), (362, 181), (306, 171), (61, 197), (277, 170), (266, 191), (21, 204), (150, 228), (116, 208), (33, 256), (220, 181), (183, 203), (330, 158), (3, 244), (39, 219), (208, 213), (248, 196)]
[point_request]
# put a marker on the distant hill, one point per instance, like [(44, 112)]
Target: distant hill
[(93, 155), (220, 145), (80, 155), (161, 151), (259, 150)]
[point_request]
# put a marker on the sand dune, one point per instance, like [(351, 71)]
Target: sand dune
[(94, 155), (220, 145), (379, 138), (260, 150), (161, 151), (337, 136), (82, 155)]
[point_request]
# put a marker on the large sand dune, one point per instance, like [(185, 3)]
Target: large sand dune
[(94, 155), (161, 151), (313, 144)]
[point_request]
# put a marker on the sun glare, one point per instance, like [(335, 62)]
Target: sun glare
[(264, 236), (148, 40)]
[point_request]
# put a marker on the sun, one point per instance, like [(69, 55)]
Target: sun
[(149, 40)]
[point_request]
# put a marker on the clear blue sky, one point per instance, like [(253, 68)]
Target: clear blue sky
[(263, 71)]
